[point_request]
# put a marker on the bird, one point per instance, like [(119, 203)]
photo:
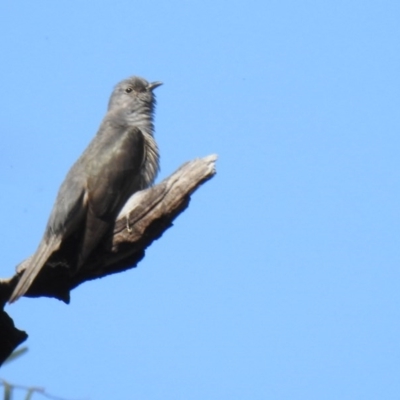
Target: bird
[(121, 159)]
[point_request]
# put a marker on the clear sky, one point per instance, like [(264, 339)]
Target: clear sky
[(281, 280)]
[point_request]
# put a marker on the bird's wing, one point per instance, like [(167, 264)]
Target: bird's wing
[(115, 177), (68, 212), (94, 190)]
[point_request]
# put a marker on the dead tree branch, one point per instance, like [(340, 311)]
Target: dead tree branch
[(144, 218)]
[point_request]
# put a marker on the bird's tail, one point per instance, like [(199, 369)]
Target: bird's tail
[(35, 264)]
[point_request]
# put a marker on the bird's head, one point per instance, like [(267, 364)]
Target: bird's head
[(134, 92)]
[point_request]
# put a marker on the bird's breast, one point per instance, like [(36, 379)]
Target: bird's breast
[(151, 160)]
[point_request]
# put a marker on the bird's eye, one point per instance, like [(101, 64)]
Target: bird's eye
[(128, 90)]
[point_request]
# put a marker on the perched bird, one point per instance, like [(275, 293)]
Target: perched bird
[(121, 159)]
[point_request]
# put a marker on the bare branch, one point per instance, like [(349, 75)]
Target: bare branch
[(143, 219)]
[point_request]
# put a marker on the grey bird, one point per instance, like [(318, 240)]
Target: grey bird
[(121, 159)]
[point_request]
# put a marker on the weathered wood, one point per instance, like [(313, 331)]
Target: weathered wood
[(143, 219)]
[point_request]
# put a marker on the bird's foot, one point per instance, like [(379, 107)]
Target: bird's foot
[(128, 227)]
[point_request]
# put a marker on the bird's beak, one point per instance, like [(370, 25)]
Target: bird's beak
[(153, 85)]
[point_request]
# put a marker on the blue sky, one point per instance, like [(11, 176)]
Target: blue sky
[(281, 280)]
